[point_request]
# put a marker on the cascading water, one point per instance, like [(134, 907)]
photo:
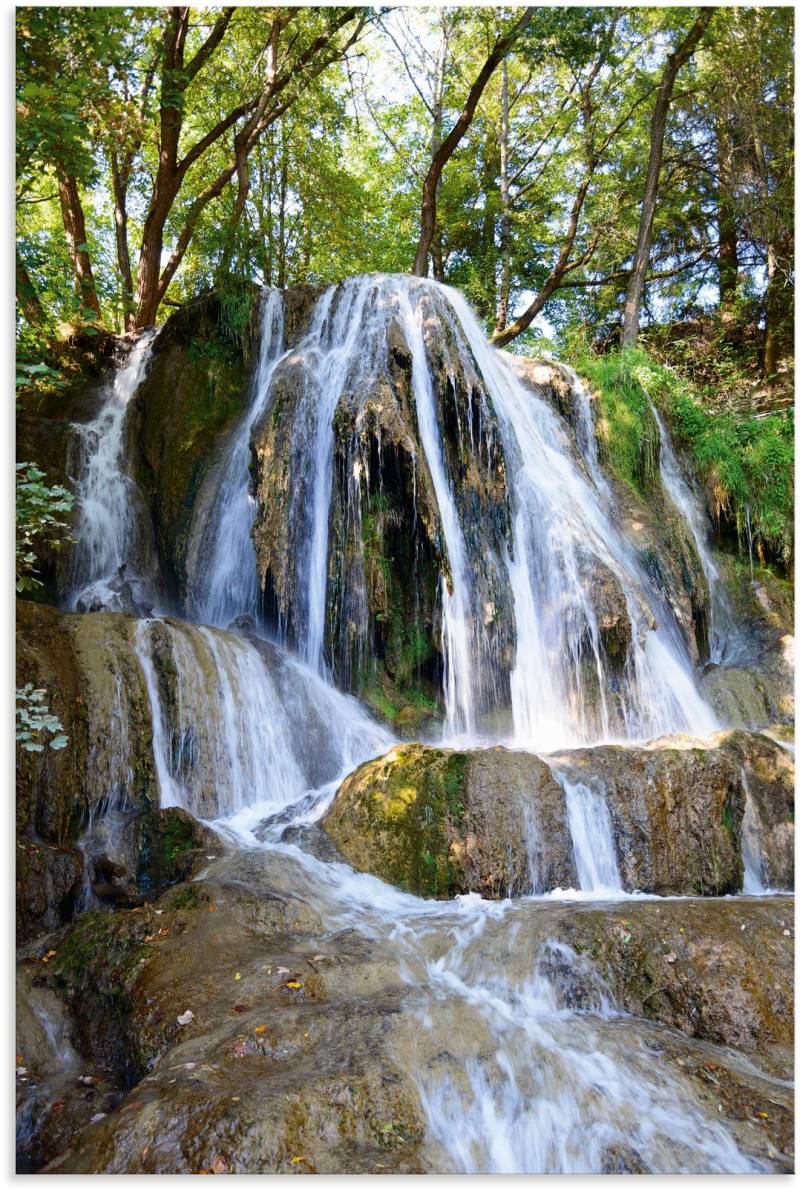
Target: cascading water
[(592, 839), (112, 564), (721, 628), (752, 855), (223, 582), (238, 732), (562, 690), (559, 522)]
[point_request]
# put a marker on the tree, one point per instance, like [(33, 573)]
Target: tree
[(448, 146), (641, 257)]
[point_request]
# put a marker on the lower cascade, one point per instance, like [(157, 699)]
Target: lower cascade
[(401, 826)]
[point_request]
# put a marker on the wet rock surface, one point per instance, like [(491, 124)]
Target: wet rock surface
[(253, 1037), (438, 822)]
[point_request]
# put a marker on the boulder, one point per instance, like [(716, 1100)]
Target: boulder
[(170, 846), (676, 814), (439, 823)]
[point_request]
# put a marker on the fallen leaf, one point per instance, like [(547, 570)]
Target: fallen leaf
[(292, 983), (764, 1115), (241, 1008), (186, 1018), (238, 975), (304, 1161), (212, 908), (47, 957), (261, 1028)]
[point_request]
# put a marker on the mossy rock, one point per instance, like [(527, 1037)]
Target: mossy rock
[(171, 845), (438, 823)]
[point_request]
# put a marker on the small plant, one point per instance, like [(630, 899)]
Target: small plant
[(35, 721), (38, 520)]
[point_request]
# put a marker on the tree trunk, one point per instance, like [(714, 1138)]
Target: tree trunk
[(728, 259), (120, 187), (27, 297), (75, 228), (282, 214), (505, 208), (453, 139), (641, 258)]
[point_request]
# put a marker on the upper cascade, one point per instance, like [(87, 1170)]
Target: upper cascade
[(410, 511), (422, 507)]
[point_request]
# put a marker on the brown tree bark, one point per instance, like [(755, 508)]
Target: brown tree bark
[(728, 257), (27, 297), (75, 228), (259, 113), (453, 139), (678, 58)]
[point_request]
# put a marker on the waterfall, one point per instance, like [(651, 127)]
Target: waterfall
[(562, 691), (112, 563), (752, 855), (690, 509), (592, 838), (223, 582), (235, 730), (559, 522), (456, 603)]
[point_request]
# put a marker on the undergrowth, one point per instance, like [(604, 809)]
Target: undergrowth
[(745, 464)]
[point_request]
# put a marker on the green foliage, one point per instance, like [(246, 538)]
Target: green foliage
[(35, 721), (626, 428), (39, 520), (746, 464)]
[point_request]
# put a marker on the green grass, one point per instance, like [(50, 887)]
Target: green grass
[(746, 465)]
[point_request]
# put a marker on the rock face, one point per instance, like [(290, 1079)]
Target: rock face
[(770, 775), (386, 557), (274, 1063), (93, 804), (439, 823), (676, 815)]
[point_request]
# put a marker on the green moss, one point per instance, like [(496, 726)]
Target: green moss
[(412, 809)]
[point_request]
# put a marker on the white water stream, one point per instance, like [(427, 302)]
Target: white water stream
[(113, 529), (223, 583)]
